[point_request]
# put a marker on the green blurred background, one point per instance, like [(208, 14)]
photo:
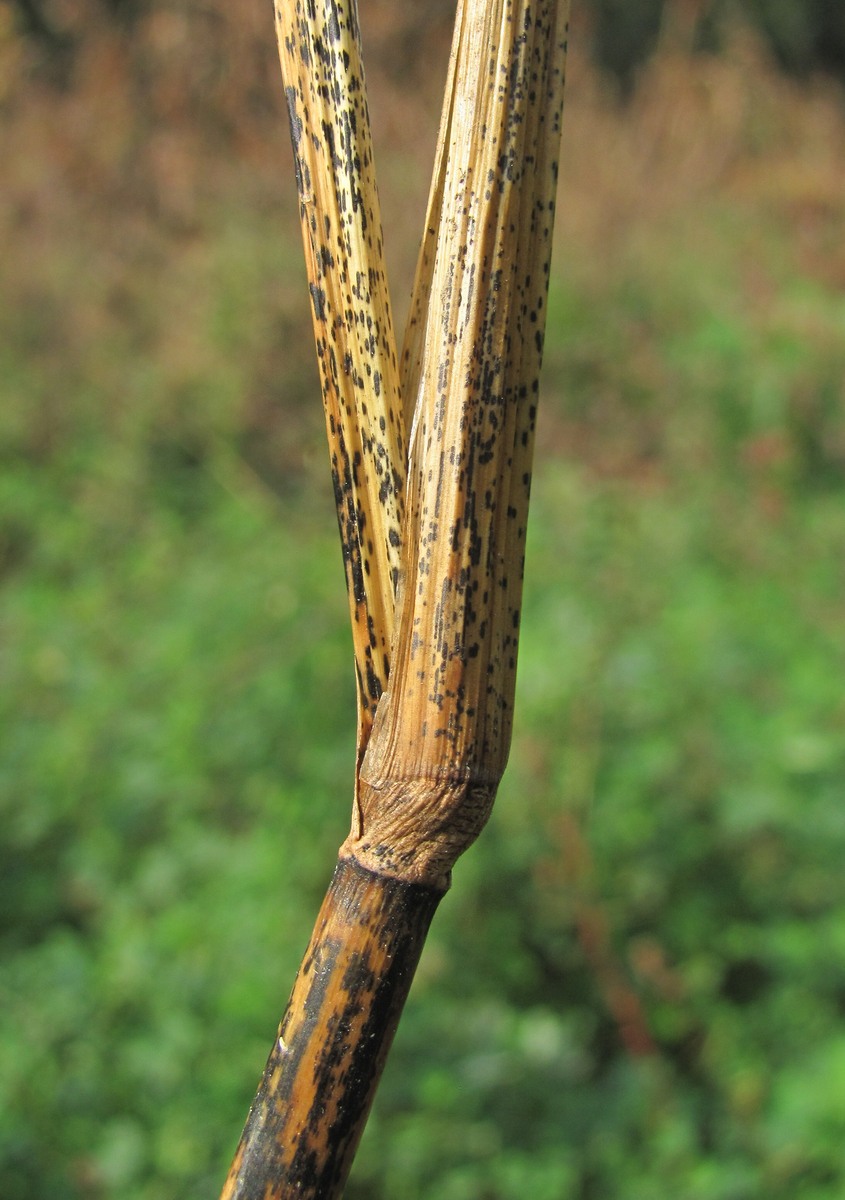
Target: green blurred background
[(636, 987)]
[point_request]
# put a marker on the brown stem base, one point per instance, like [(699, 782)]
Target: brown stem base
[(315, 1095)]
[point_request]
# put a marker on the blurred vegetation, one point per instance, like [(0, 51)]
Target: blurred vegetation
[(804, 36), (637, 985)]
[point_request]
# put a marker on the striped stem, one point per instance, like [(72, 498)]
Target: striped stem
[(314, 1098), (435, 594)]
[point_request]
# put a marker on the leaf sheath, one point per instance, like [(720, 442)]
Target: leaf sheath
[(443, 728)]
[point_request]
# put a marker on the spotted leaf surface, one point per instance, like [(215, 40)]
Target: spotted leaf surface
[(320, 52), (473, 357)]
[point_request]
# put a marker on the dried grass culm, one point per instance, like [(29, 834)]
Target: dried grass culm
[(436, 676), (471, 376)]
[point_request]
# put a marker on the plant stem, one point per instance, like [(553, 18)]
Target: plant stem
[(315, 1095), (436, 668)]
